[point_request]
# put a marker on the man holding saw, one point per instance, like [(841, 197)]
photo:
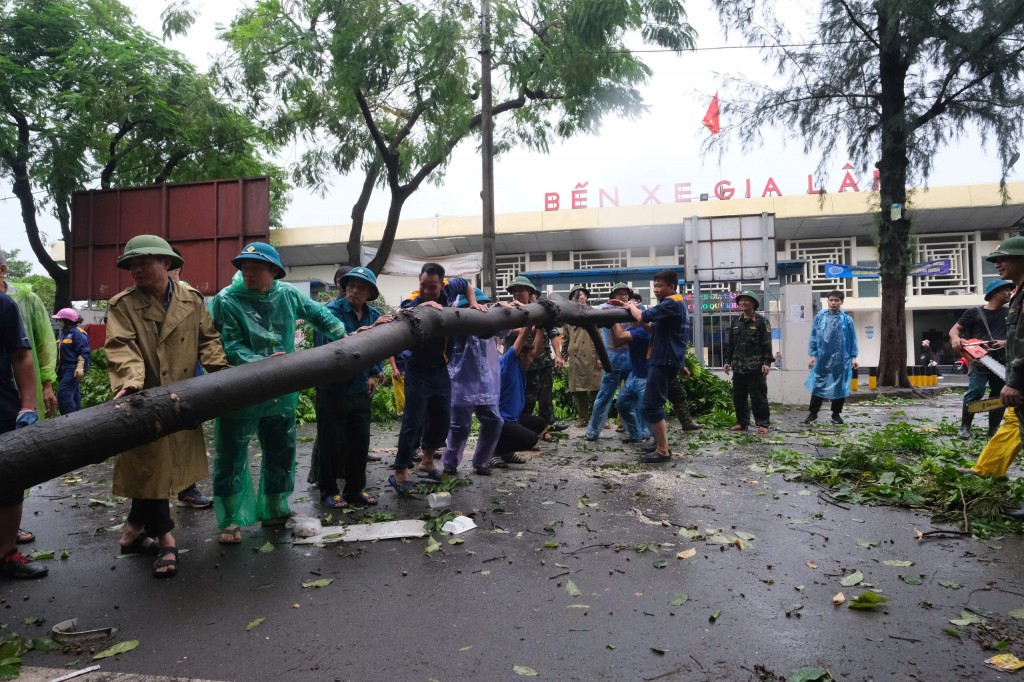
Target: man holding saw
[(988, 324)]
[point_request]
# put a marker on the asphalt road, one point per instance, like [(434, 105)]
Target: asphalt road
[(502, 598)]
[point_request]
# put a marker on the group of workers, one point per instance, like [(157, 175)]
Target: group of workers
[(161, 330)]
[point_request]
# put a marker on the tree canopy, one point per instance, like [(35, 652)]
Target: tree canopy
[(89, 99), (389, 89), (890, 82)]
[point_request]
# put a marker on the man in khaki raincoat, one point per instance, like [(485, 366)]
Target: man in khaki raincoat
[(583, 366), (156, 331)]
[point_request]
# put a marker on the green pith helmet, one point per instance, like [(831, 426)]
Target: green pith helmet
[(262, 253), (747, 293), (578, 287), (621, 285), (148, 245), (521, 281), (364, 274), (1014, 246)]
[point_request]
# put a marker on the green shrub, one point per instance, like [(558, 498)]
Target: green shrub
[(96, 384)]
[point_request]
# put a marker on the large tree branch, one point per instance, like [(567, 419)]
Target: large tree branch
[(113, 156), (940, 105), (51, 448)]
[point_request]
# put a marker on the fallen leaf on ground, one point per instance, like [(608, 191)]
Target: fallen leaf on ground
[(687, 553), (949, 584), (811, 564), (867, 601), (911, 579), (808, 673), (897, 562), (839, 599), (119, 648), (571, 588), (323, 582), (968, 618), (656, 650), (432, 545), (1017, 613), (714, 616), (523, 670), (253, 624), (854, 578), (867, 544), (267, 548), (918, 533), (680, 599)]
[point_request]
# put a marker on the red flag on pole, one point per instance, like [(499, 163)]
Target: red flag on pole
[(711, 118)]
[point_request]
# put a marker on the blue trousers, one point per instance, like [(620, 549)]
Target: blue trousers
[(69, 394), (656, 391), (631, 407), (609, 384), (977, 380), (428, 408)]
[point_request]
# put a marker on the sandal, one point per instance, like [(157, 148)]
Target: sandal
[(232, 535), (737, 427), (498, 462), (140, 546), (433, 475), (548, 437), (24, 537), (334, 502), (163, 562), (363, 499), (762, 430), (278, 520), (403, 489), (513, 458)]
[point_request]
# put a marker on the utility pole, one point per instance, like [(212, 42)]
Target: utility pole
[(487, 151)]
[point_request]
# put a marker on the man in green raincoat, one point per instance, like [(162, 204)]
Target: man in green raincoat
[(256, 316)]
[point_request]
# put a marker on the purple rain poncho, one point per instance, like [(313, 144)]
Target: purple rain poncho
[(473, 368), (833, 345)]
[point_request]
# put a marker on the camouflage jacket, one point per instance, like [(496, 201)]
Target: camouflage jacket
[(750, 344), (1015, 342)]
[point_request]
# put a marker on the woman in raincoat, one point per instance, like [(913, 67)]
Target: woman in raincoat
[(256, 316), (583, 366), (833, 350)]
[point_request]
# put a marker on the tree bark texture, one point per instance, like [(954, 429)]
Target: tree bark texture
[(894, 245), (54, 447)]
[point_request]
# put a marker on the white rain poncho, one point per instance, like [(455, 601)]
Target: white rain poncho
[(833, 345)]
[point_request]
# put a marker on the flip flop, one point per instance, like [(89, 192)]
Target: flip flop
[(514, 458), (762, 430), (403, 489), (24, 537), (433, 475), (363, 499)]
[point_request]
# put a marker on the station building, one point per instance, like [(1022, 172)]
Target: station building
[(958, 225)]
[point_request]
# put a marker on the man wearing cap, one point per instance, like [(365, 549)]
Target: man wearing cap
[(73, 355), (1009, 261), (157, 331), (540, 375), (343, 409), (986, 323), (833, 349), (37, 326), (749, 354), (428, 388), (618, 354), (256, 315), (583, 366)]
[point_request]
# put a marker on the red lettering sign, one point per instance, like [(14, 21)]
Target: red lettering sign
[(682, 193), (724, 190), (551, 202)]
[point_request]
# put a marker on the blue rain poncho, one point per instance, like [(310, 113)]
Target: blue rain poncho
[(253, 326), (833, 345), (473, 369)]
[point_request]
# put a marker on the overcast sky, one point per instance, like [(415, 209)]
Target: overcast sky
[(660, 148)]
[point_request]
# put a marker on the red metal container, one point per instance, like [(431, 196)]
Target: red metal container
[(208, 222)]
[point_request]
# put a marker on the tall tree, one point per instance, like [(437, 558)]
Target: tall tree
[(389, 88), (17, 268), (890, 82), (88, 99)]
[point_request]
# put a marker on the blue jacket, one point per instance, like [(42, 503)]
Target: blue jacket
[(433, 353), (71, 345), (343, 310), (668, 342)]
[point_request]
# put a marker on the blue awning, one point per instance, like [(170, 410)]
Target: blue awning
[(609, 275)]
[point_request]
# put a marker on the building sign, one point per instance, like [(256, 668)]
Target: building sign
[(713, 302), (941, 266), (583, 195)]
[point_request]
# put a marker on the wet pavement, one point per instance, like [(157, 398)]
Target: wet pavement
[(502, 598)]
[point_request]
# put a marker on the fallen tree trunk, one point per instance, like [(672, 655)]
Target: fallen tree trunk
[(57, 446)]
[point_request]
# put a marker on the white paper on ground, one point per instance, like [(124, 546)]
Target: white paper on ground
[(387, 530), (460, 524)]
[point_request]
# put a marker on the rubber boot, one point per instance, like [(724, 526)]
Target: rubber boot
[(965, 425)]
